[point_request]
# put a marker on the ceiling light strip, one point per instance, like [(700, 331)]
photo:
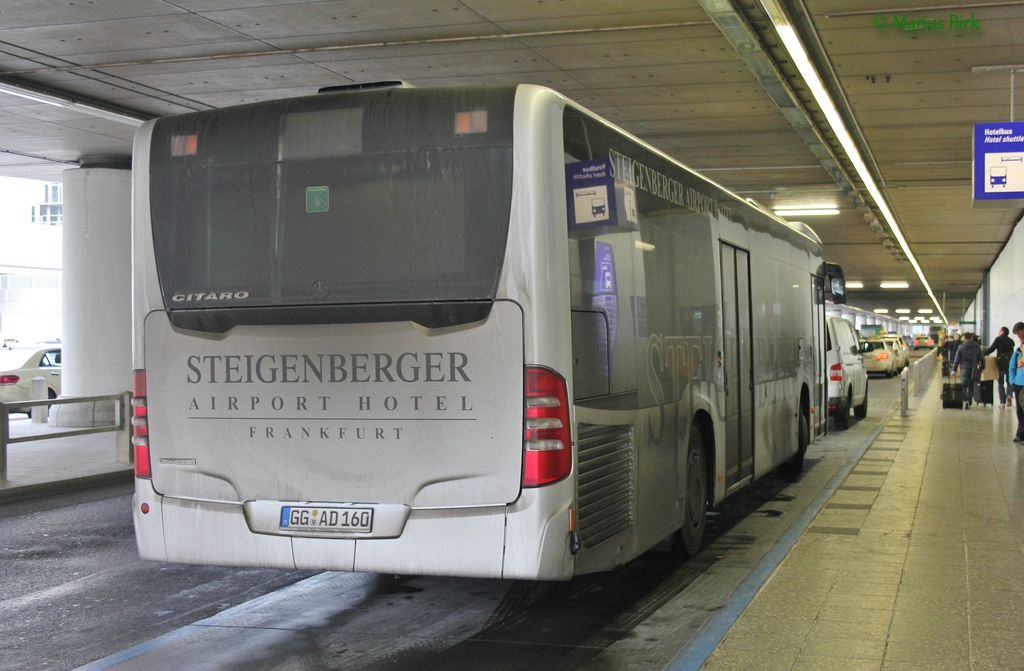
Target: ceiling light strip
[(69, 104), (799, 57), (808, 212)]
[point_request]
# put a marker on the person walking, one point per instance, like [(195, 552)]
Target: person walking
[(949, 348), (1003, 347), (1016, 375), (967, 360)]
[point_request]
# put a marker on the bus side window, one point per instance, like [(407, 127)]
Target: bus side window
[(601, 283), (589, 358)]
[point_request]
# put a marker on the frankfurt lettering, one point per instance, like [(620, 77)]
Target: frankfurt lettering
[(327, 433)]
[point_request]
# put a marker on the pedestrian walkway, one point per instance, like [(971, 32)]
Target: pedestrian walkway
[(916, 563), (59, 465)]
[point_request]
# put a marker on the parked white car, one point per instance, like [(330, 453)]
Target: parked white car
[(847, 376), (19, 365), (881, 356), (899, 346)]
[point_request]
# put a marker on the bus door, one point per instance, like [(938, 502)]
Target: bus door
[(737, 362), (819, 416)]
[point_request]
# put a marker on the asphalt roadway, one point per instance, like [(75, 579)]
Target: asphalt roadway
[(75, 594)]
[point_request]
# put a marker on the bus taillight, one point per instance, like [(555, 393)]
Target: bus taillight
[(835, 373), (140, 427), (546, 436)]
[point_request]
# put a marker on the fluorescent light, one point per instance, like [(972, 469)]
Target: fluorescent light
[(855, 285), (902, 311), (881, 311), (799, 57), (68, 104), (904, 319), (644, 246), (808, 212), (925, 311), (895, 285)]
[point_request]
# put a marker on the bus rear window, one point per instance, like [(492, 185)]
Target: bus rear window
[(355, 198)]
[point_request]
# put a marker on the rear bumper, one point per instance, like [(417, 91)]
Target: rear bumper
[(452, 542), (838, 404)]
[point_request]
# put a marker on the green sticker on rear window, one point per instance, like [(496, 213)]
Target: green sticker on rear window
[(318, 199)]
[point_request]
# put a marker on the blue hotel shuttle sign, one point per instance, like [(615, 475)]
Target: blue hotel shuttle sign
[(998, 162), (596, 201)]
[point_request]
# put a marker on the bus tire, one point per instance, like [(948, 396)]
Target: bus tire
[(690, 537), (794, 466)]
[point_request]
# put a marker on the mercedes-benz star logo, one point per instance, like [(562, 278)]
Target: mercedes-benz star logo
[(320, 289)]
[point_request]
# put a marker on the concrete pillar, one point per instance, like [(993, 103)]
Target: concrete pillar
[(96, 357)]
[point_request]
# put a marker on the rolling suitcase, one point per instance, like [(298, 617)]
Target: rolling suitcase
[(952, 395), (983, 392)]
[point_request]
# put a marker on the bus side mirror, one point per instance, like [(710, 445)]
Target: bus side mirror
[(836, 282)]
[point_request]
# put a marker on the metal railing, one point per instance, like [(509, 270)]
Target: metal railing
[(923, 369), (916, 377), (121, 425)]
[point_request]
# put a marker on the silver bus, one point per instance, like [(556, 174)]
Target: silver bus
[(456, 331)]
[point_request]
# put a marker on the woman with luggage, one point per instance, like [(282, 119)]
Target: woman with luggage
[(1003, 347)]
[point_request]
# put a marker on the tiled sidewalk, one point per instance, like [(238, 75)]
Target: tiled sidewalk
[(915, 564)]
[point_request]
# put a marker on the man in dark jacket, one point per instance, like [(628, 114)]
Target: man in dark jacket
[(949, 348), (968, 360), (1003, 346)]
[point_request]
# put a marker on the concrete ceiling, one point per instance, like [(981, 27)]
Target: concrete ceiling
[(665, 70)]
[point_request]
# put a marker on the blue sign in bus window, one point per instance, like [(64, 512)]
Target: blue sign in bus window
[(605, 295), (595, 201)]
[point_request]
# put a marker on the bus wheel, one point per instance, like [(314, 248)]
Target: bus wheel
[(690, 537), (795, 465)]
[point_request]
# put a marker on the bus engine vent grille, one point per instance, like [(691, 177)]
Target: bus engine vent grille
[(606, 458)]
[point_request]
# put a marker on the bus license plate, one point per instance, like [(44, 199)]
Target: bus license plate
[(294, 518)]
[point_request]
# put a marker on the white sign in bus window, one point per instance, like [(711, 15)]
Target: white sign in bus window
[(591, 204)]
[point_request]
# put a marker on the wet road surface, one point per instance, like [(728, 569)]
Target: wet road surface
[(74, 591)]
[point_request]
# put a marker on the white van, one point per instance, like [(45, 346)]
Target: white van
[(847, 377)]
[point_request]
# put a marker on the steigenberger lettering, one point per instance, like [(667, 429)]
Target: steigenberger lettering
[(407, 367), (648, 179)]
